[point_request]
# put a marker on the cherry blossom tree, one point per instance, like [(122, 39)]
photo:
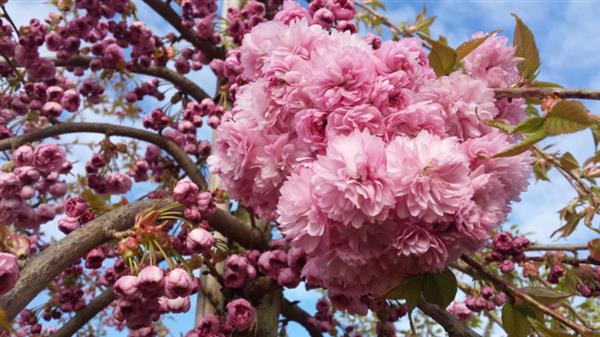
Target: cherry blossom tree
[(380, 172)]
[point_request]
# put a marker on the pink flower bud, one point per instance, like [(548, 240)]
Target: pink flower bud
[(178, 283), (23, 156), (186, 192), (75, 206), (127, 287), (68, 224), (507, 266), (240, 314), (199, 241), (288, 278), (178, 305), (151, 281)]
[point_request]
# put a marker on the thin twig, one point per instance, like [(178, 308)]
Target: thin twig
[(384, 20), (294, 313), (510, 290), (173, 77), (567, 260), (451, 324), (86, 314), (563, 247), (575, 181), (163, 9), (116, 130), (542, 92), (10, 20)]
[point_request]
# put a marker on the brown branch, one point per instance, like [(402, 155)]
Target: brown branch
[(235, 230), (10, 20), (564, 304), (510, 290), (60, 255), (567, 260), (567, 247), (171, 148), (453, 326), (57, 257), (573, 179), (543, 92), (179, 81), (86, 314), (174, 19), (294, 313)]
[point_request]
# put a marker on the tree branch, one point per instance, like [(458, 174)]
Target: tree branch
[(174, 19), (179, 81), (451, 324), (294, 313), (86, 314), (60, 255), (171, 148), (57, 257), (567, 247), (542, 92), (567, 260), (510, 290)]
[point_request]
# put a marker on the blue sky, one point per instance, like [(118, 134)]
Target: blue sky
[(568, 40)]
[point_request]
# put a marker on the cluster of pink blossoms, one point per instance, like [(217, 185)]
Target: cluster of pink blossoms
[(143, 298), (35, 174), (372, 166)]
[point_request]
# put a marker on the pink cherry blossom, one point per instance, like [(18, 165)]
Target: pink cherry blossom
[(430, 174), (351, 183), (9, 272)]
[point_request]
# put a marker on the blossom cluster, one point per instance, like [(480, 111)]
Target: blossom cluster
[(197, 204), (374, 167), (143, 298), (77, 214), (488, 300), (508, 250), (29, 325), (35, 174), (240, 316), (323, 318), (280, 262)]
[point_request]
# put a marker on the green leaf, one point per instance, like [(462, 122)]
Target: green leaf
[(545, 296), (526, 48), (468, 46), (515, 321), (596, 134), (5, 323), (545, 84), (547, 332), (567, 117), (569, 162), (529, 126), (97, 203), (541, 171), (569, 282), (567, 229), (498, 124), (442, 58), (440, 288), (522, 146), (532, 111), (409, 290)]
